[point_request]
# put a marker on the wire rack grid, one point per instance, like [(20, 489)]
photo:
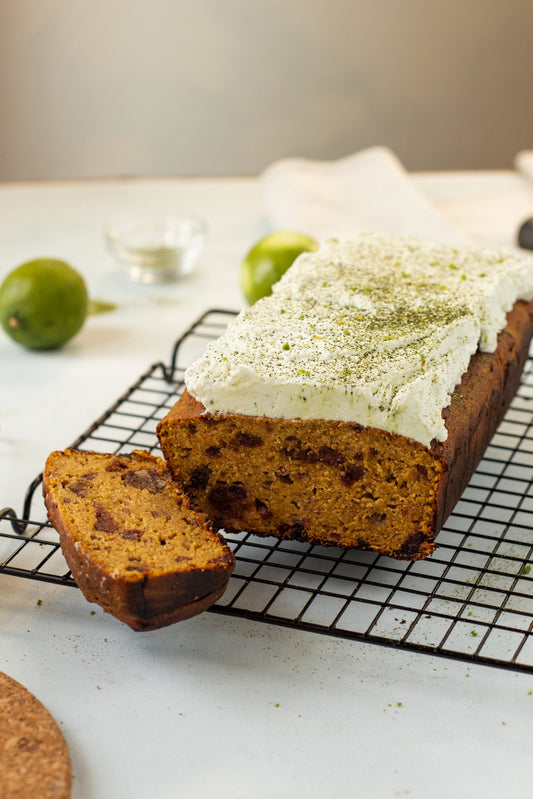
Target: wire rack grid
[(472, 600)]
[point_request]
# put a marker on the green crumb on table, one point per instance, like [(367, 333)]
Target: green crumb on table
[(286, 346), (304, 372), (473, 634), (452, 266), (100, 306), (399, 704), (526, 569), (93, 612)]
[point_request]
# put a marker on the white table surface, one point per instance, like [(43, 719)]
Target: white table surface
[(217, 705)]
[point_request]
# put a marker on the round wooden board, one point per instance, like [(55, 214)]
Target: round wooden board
[(34, 757)]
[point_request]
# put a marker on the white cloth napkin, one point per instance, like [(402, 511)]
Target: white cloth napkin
[(367, 191), (523, 163)]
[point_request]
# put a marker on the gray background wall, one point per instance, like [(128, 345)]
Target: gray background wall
[(192, 87)]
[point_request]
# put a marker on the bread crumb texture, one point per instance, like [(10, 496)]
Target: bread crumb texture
[(131, 538), (130, 516)]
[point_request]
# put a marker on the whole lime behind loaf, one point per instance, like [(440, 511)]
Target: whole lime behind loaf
[(43, 303), (269, 259)]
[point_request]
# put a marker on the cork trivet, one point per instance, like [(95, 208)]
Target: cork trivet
[(34, 758)]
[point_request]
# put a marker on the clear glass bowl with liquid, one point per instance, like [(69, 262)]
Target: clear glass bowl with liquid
[(157, 249)]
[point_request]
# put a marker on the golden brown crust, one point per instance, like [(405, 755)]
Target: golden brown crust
[(479, 404), (340, 483), (131, 539)]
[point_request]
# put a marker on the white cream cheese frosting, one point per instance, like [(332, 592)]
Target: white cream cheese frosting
[(377, 330)]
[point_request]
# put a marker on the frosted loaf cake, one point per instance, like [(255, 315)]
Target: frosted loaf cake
[(353, 405)]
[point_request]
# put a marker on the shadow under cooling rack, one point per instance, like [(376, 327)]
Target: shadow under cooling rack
[(472, 600)]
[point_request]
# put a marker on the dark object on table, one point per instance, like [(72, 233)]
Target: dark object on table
[(525, 235)]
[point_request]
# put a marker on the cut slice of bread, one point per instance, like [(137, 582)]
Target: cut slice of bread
[(131, 539)]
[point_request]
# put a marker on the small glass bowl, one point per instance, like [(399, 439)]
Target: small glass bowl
[(157, 249)]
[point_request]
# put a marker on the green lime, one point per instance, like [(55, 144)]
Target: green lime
[(43, 303), (269, 259)]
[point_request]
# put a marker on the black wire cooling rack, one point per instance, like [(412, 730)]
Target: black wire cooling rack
[(472, 600)]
